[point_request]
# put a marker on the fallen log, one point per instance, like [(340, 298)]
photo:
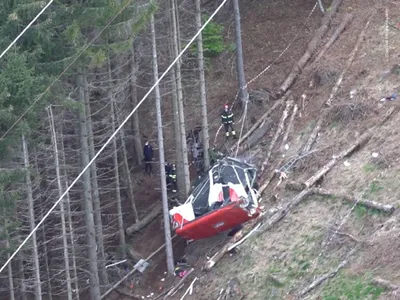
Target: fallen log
[(385, 284), (277, 134), (324, 277), (334, 36), (258, 123), (349, 61), (273, 173), (289, 127), (387, 208), (345, 153), (134, 255), (311, 48), (314, 133), (145, 221), (257, 136)]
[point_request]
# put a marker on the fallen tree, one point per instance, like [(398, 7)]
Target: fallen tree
[(324, 277), (289, 127), (258, 123), (145, 221), (334, 36), (277, 134), (311, 48), (349, 61), (387, 208)]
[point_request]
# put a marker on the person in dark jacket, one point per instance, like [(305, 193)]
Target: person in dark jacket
[(172, 178), (168, 168), (227, 121), (148, 157)]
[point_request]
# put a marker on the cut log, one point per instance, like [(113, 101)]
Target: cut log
[(324, 277), (334, 36), (277, 134), (289, 127), (257, 124), (311, 48), (145, 221), (325, 169), (349, 61), (272, 175), (387, 208)]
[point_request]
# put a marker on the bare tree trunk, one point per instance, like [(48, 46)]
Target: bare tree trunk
[(62, 209), (121, 233), (135, 118), (87, 193), (70, 226), (46, 259), (167, 229), (9, 267), (244, 95), (203, 97), (22, 276), (35, 254), (95, 191), (181, 112), (126, 170)]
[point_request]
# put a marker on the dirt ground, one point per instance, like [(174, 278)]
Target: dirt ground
[(318, 234)]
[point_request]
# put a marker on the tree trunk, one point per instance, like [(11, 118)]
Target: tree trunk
[(185, 186), (22, 276), (87, 193), (70, 224), (126, 169), (150, 216), (121, 233), (9, 267), (137, 142), (244, 95), (35, 254), (203, 98), (62, 208), (95, 191), (46, 259), (167, 229)]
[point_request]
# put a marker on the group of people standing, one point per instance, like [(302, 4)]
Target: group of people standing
[(197, 151)]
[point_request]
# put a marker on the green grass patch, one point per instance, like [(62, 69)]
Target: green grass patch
[(369, 168), (350, 288)]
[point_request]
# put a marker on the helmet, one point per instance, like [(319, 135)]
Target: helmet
[(226, 106)]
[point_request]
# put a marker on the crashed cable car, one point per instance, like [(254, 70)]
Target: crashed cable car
[(224, 199)]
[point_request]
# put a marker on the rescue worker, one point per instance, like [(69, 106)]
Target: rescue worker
[(148, 157), (227, 121), (168, 168), (172, 178)]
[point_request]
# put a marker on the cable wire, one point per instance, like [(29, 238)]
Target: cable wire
[(26, 28), (110, 138)]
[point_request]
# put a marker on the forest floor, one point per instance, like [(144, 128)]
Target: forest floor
[(319, 233)]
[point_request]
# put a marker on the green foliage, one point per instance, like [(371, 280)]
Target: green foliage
[(351, 288), (369, 168), (213, 40)]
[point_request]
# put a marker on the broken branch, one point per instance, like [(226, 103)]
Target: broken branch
[(176, 287)]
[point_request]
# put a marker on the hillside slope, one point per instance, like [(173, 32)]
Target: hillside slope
[(322, 231)]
